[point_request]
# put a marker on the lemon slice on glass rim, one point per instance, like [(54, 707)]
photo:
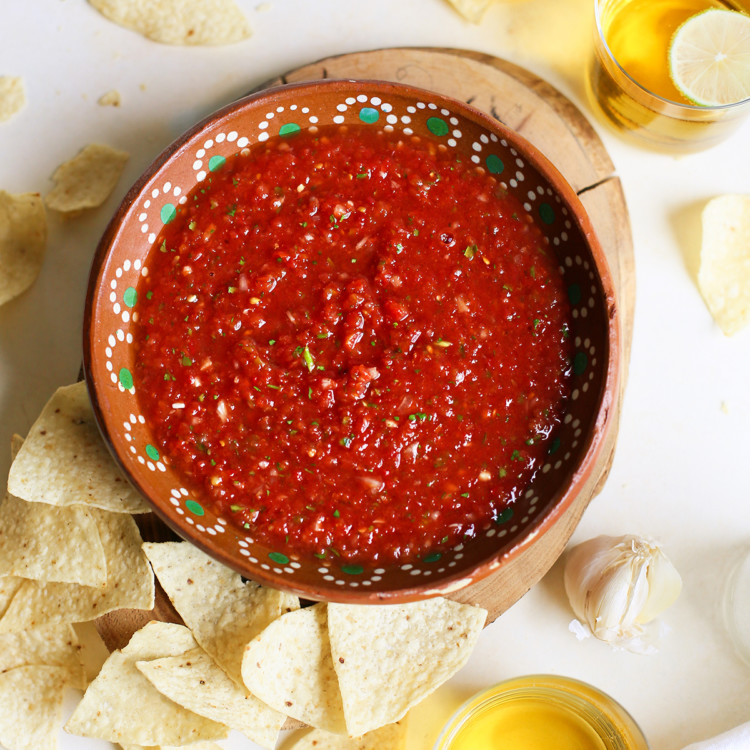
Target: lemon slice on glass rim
[(709, 58)]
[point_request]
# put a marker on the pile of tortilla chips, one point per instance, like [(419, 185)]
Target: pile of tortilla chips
[(69, 552), (247, 656)]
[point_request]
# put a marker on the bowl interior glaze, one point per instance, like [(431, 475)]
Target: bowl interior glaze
[(121, 259)]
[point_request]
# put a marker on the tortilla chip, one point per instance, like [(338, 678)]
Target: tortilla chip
[(50, 544), (223, 613), (52, 646), (130, 583), (23, 236), (110, 99), (724, 274), (289, 667), (389, 737), (472, 10), (87, 180), (121, 705), (390, 657), (12, 96), (195, 681), (31, 698), (191, 22), (64, 460)]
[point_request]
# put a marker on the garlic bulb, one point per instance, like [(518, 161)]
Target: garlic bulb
[(615, 585)]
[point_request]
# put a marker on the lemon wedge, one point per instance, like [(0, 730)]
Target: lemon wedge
[(709, 57)]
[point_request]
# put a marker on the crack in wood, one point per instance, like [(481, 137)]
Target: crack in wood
[(595, 185)]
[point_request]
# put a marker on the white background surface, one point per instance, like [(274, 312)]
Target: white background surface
[(680, 472)]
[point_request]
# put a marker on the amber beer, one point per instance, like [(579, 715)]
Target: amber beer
[(629, 81)]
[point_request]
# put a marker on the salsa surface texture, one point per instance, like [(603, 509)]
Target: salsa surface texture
[(354, 345)]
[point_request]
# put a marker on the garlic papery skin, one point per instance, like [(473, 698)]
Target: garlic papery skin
[(615, 585)]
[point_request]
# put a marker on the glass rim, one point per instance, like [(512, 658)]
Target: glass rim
[(549, 686), (662, 99)]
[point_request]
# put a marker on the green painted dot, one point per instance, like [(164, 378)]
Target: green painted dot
[(546, 213), (152, 453), (168, 212), (129, 296), (494, 164), (126, 378), (289, 128), (432, 557), (194, 508), (554, 446), (580, 362), (574, 294), (279, 557), (216, 162), (352, 570), (437, 126), (505, 516), (369, 115)]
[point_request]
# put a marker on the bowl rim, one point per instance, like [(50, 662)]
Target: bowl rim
[(572, 483)]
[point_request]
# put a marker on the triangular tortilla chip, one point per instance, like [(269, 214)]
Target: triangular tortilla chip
[(51, 646), (391, 656), (86, 180), (195, 681), (289, 667), (23, 237), (223, 613), (121, 705), (31, 698), (389, 737), (50, 544), (64, 460), (130, 583), (189, 22)]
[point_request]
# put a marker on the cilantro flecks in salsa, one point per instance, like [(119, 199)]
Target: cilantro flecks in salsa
[(353, 344)]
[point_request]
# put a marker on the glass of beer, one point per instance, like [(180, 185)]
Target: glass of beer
[(674, 74)]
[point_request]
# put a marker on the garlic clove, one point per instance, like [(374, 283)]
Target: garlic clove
[(665, 585), (617, 584)]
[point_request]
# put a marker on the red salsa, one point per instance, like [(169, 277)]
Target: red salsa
[(353, 344)]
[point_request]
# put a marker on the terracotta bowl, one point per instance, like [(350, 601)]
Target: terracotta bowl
[(120, 261)]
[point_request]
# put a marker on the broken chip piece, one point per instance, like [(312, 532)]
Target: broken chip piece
[(87, 180), (23, 237)]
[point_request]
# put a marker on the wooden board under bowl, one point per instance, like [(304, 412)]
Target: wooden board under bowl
[(551, 122)]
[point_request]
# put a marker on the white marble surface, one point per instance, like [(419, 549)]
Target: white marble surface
[(680, 470)]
